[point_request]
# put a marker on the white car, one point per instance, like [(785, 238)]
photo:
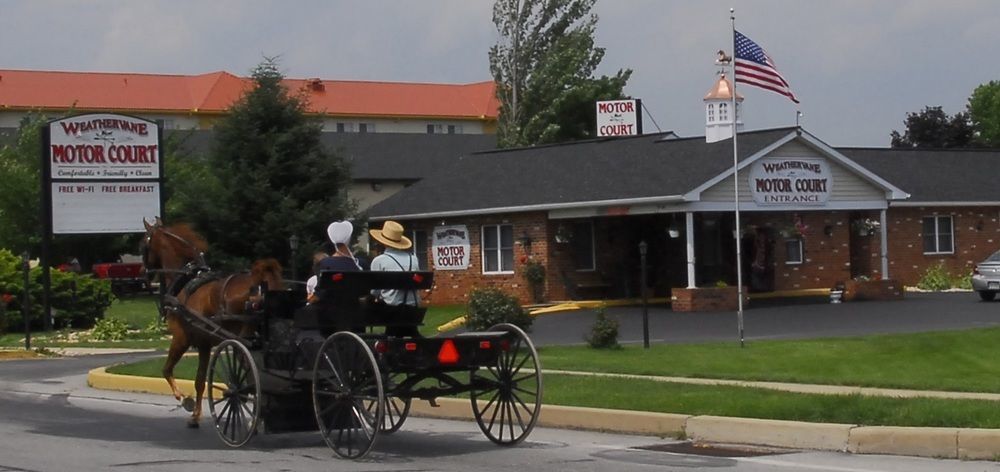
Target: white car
[(986, 277)]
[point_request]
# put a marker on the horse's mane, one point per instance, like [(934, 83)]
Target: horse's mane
[(184, 231)]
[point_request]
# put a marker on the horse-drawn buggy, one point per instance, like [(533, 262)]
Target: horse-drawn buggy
[(348, 367)]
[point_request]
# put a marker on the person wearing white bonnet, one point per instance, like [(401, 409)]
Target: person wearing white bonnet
[(342, 259)]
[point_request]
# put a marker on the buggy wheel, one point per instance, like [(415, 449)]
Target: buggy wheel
[(345, 380), (396, 409), (234, 393), (507, 397)]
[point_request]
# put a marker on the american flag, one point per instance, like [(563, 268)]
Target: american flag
[(755, 67)]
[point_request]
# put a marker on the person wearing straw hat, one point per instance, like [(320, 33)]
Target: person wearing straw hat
[(395, 258)]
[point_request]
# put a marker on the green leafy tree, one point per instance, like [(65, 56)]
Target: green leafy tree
[(933, 128), (984, 110), (543, 65), (273, 178)]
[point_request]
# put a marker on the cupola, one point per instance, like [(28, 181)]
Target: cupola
[(718, 116)]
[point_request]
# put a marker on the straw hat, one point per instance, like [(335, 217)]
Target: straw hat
[(391, 235), (340, 232)]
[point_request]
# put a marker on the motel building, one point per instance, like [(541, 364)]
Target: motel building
[(812, 216)]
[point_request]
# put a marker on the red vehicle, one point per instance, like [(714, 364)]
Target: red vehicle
[(126, 277)]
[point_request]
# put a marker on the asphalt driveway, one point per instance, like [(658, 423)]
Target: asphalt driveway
[(781, 319)]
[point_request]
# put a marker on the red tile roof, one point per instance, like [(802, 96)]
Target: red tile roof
[(215, 92)]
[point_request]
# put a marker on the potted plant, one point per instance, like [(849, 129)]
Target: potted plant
[(534, 274), (865, 226)]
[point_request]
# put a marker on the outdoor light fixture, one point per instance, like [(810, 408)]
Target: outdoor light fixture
[(673, 231), (979, 225), (828, 230), (525, 240)]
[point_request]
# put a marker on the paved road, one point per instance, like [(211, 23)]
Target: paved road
[(783, 319), (51, 421)]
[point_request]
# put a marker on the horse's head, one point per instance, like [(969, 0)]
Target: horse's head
[(149, 249), (169, 248)]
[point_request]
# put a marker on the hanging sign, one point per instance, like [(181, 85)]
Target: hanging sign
[(619, 118), (451, 248), (791, 181), (102, 172)]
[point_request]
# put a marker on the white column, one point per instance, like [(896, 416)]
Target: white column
[(885, 244), (689, 241)]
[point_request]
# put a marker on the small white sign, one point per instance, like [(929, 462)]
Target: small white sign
[(791, 181), (103, 207), (451, 247), (619, 118)]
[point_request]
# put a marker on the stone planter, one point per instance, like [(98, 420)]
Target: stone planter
[(706, 299), (872, 290)]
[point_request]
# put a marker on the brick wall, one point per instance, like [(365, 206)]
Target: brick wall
[(977, 235), (453, 286), (826, 258)]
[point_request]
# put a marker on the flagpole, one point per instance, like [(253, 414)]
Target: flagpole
[(736, 190)]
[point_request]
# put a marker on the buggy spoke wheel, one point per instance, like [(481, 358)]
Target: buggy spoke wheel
[(234, 393), (396, 409), (347, 395), (507, 396)]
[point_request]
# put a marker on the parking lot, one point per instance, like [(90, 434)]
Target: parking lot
[(793, 318)]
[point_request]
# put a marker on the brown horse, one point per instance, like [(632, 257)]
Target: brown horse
[(169, 250)]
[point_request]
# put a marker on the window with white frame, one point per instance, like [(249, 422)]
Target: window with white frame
[(366, 127), (711, 113), (498, 249), (793, 251), (454, 129), (583, 245), (724, 112), (434, 129), (345, 127), (939, 235)]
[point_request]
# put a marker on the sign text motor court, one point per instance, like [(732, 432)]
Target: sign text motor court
[(101, 154)]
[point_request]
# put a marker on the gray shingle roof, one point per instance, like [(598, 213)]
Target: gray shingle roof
[(939, 175), (604, 169), (380, 156)]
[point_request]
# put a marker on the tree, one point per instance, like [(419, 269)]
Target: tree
[(274, 177), (543, 65), (933, 128), (984, 110)]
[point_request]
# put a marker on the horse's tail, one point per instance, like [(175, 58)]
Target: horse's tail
[(267, 270)]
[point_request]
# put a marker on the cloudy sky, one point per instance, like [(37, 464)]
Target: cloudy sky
[(857, 66)]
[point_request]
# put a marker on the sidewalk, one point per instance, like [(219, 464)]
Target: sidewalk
[(953, 443)]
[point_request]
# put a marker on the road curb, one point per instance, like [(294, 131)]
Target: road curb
[(954, 443)]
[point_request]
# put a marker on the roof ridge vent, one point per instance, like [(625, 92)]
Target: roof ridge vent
[(316, 84)]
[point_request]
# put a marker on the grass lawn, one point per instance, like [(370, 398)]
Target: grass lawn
[(645, 395), (953, 360)]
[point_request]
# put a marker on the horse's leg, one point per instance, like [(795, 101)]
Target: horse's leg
[(204, 353), (178, 346)]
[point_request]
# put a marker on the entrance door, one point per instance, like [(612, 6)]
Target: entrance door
[(758, 259)]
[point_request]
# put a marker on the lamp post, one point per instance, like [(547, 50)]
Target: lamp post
[(293, 244), (643, 247)]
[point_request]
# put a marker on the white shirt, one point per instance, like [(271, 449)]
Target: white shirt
[(394, 260)]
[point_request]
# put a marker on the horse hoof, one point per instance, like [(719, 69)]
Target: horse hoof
[(193, 423)]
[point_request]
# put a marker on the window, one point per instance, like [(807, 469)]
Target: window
[(345, 127), (793, 251), (498, 249), (419, 248), (938, 235), (711, 112), (583, 245), (366, 127), (454, 129), (723, 112), (434, 129)]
